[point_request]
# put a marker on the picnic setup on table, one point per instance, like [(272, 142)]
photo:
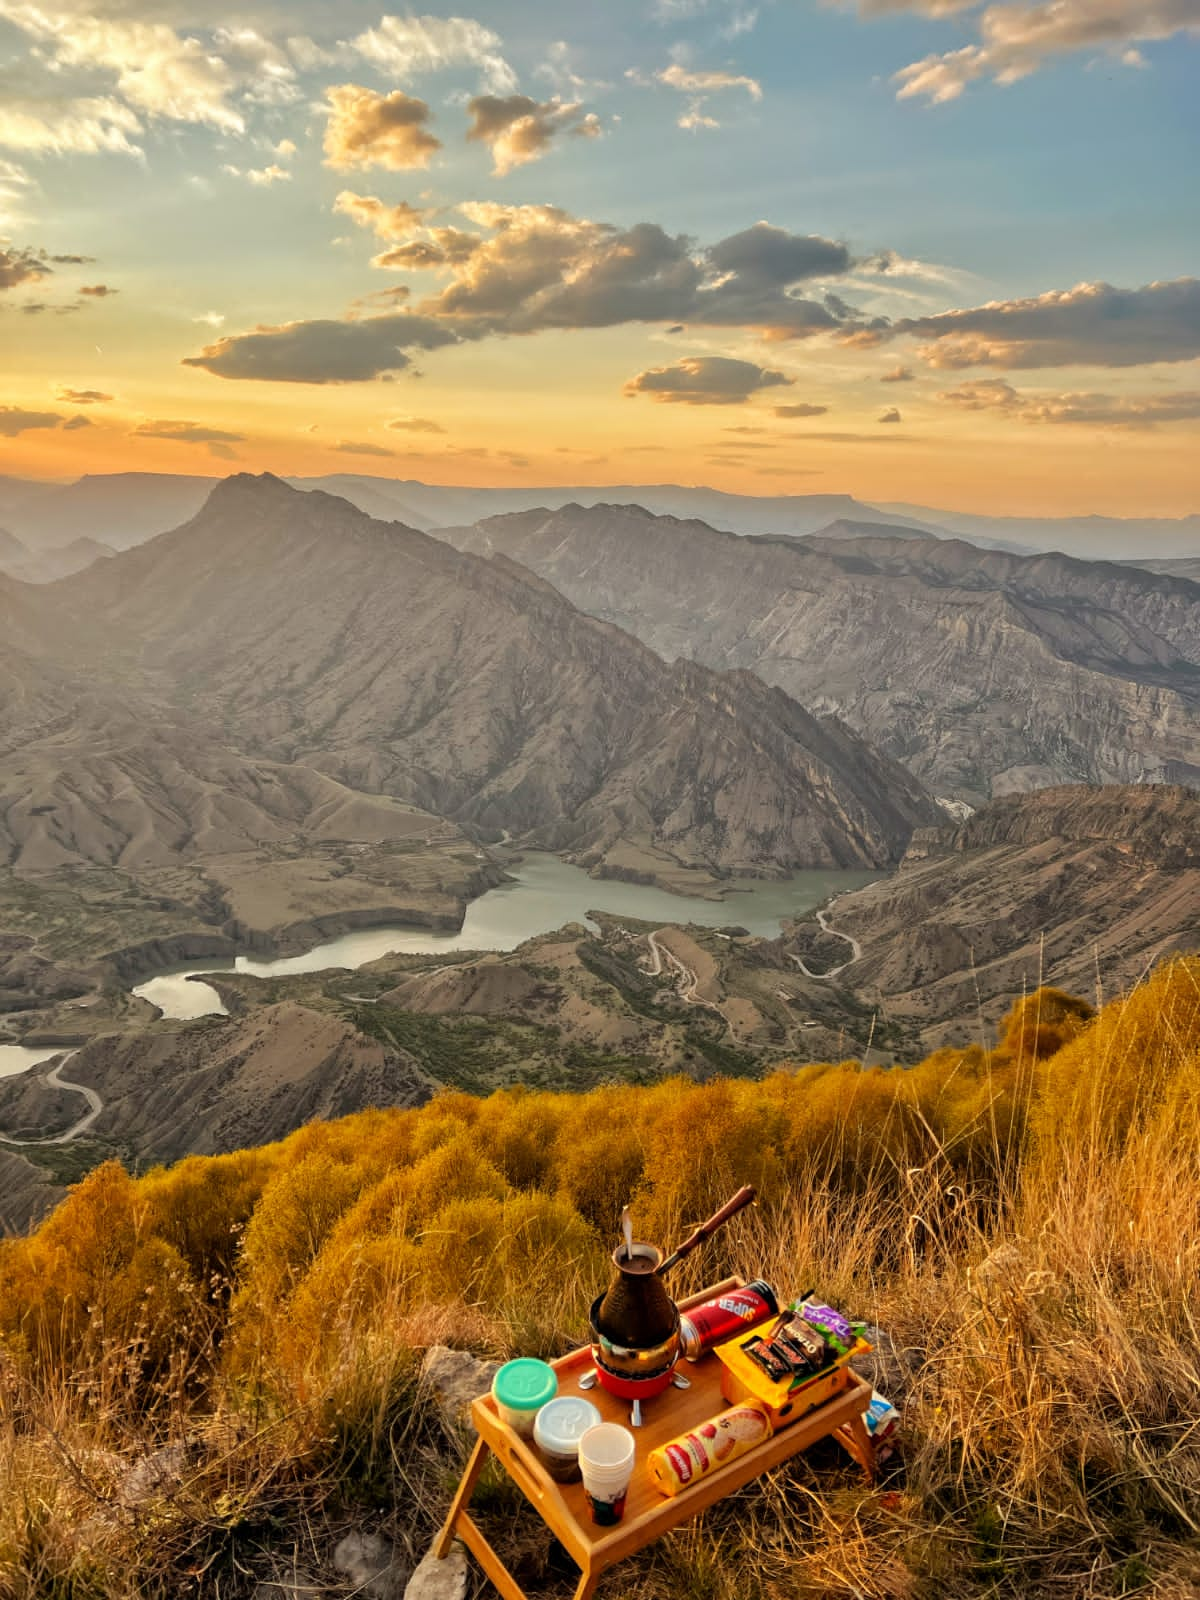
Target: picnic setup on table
[(615, 1443)]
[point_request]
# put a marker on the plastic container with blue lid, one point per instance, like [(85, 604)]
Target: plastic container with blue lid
[(520, 1389)]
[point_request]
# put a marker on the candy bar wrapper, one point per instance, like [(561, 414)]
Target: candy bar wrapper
[(713, 1444), (833, 1327)]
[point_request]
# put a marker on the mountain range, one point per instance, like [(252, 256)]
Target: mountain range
[(982, 671), (123, 509), (284, 664)]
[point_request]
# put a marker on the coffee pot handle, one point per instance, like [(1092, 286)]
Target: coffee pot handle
[(718, 1219)]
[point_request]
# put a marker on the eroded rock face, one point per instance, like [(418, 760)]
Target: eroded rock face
[(983, 672)]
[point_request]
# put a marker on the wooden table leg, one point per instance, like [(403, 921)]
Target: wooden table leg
[(854, 1438), (587, 1586), (462, 1497)]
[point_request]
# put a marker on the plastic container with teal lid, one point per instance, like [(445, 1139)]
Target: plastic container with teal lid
[(556, 1431), (520, 1389)]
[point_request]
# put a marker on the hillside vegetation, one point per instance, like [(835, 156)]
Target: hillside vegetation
[(210, 1370)]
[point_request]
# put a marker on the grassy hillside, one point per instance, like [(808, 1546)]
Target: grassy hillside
[(211, 1370)]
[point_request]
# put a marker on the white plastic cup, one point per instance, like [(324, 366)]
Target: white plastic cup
[(606, 1455)]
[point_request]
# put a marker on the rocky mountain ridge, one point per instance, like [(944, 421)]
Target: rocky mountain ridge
[(982, 671)]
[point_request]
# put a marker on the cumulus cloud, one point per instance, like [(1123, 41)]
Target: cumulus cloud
[(1099, 410), (1015, 40), (803, 409), (706, 381), (406, 47), (415, 425), (898, 375), (324, 351), (20, 266), (525, 269), (81, 397), (890, 415), (1093, 324), (539, 267), (366, 129), (98, 291), (518, 129)]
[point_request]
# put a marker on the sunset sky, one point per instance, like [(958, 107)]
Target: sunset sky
[(933, 251)]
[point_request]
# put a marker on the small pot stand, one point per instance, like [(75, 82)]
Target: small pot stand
[(648, 1514)]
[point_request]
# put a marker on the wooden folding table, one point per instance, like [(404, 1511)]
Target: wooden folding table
[(648, 1513)]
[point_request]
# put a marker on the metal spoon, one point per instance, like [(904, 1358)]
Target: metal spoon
[(587, 1379), (627, 1230)]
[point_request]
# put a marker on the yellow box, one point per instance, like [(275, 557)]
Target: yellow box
[(744, 1380)]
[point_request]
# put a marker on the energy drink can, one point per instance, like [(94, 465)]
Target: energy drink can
[(705, 1326)]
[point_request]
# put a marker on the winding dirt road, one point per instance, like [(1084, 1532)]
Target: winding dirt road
[(54, 1079), (689, 981), (836, 933)]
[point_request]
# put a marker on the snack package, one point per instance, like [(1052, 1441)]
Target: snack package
[(834, 1328), (714, 1443)]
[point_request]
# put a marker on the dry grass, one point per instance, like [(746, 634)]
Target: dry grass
[(1024, 1224)]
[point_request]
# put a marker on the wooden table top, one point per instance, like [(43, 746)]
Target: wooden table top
[(648, 1512)]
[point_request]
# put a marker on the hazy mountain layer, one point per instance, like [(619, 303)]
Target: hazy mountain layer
[(982, 671)]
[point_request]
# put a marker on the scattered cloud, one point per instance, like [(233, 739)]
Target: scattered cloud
[(63, 124), (706, 381), (211, 319), (407, 47), (366, 129), (393, 223), (98, 291), (262, 177), (1015, 40), (890, 415), (21, 266), (82, 397), (898, 375), (415, 425), (517, 129), (801, 410), (1098, 410), (158, 73), (324, 351), (699, 84), (76, 422), (184, 432), (15, 419), (348, 447), (15, 184), (690, 80), (1093, 324)]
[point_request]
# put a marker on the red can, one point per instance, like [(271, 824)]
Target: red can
[(735, 1311)]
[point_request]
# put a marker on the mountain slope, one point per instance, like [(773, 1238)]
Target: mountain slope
[(308, 633), (1077, 887), (984, 672)]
